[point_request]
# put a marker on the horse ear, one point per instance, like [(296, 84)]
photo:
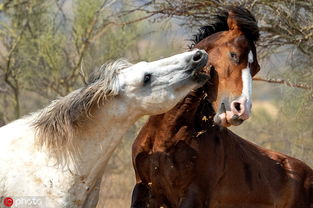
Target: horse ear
[(255, 67), (232, 22)]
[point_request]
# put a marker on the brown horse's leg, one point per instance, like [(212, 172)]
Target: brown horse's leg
[(308, 186), (190, 202), (158, 202), (140, 196), (309, 197), (191, 199)]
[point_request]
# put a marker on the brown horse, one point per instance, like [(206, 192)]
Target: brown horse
[(183, 160)]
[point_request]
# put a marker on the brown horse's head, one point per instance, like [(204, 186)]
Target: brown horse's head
[(232, 63)]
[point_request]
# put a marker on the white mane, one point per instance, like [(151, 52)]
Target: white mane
[(56, 125)]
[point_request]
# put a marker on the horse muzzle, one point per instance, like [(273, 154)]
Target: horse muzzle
[(198, 62), (234, 114)]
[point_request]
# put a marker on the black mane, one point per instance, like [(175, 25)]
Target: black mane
[(245, 20)]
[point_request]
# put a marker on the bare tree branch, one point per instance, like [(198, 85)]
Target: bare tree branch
[(3, 90), (87, 39), (284, 82), (9, 77), (82, 74), (291, 23)]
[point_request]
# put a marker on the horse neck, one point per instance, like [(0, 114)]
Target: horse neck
[(99, 137), (101, 134), (194, 112)]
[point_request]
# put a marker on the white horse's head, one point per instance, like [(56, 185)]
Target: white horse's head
[(155, 87), (119, 89)]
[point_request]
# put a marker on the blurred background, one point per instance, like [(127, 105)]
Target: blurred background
[(48, 48)]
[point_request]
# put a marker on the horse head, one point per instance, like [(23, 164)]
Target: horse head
[(156, 87), (230, 44)]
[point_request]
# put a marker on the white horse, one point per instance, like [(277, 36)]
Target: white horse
[(59, 153)]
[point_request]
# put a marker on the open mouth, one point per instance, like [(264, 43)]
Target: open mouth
[(224, 120), (227, 118), (221, 118)]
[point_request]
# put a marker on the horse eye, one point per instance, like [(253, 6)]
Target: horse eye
[(233, 54), (234, 57), (146, 78)]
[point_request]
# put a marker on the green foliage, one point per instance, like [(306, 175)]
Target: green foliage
[(49, 50)]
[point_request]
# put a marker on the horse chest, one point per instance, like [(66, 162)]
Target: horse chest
[(169, 173)]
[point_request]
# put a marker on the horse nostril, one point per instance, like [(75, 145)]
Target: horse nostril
[(197, 56), (237, 106)]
